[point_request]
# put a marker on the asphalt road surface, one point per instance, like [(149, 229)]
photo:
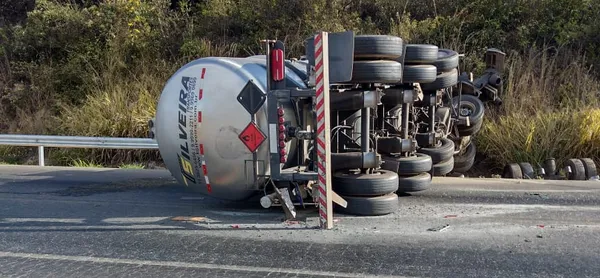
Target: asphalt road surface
[(66, 222)]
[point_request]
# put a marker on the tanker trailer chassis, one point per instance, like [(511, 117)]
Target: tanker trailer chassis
[(389, 109)]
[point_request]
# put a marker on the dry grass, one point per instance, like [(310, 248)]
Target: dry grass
[(550, 109)]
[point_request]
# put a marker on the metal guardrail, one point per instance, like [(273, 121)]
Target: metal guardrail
[(51, 141)]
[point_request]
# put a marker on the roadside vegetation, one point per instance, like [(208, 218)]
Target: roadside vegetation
[(97, 67)]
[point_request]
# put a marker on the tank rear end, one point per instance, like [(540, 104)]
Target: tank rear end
[(199, 121)]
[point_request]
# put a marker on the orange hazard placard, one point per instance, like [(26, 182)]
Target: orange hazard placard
[(252, 137)]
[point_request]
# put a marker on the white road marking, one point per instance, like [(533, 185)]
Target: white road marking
[(105, 227), (531, 190), (133, 220), (181, 264), (44, 220)]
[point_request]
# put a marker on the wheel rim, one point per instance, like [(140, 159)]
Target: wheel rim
[(466, 109)]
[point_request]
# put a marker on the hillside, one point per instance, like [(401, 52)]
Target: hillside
[(96, 68)]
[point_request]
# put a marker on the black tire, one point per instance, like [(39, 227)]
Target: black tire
[(377, 47), (590, 167), (577, 169), (443, 168), (407, 165), (420, 53), (442, 81), (414, 183), (419, 74), (527, 170), (464, 162), (469, 106), (355, 183), (512, 171), (472, 107), (376, 72), (442, 152), (447, 60), (464, 130), (369, 206), (550, 166)]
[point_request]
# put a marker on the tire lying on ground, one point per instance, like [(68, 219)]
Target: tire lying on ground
[(590, 167), (443, 168), (414, 183), (464, 162), (419, 74), (369, 206), (442, 152), (527, 170), (442, 81), (376, 72), (410, 165), (377, 47), (420, 54), (512, 171), (355, 183), (577, 169)]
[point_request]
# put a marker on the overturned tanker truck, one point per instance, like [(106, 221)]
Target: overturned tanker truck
[(399, 114)]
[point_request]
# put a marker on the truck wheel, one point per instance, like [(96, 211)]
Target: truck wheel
[(464, 130), (469, 106), (527, 170), (443, 168), (577, 169), (442, 152), (355, 183), (407, 165), (472, 107), (419, 74), (420, 53), (512, 171), (464, 162), (447, 60), (370, 206), (414, 183), (590, 168), (377, 47), (442, 81), (376, 72)]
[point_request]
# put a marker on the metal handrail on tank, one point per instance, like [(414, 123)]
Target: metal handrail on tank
[(55, 141)]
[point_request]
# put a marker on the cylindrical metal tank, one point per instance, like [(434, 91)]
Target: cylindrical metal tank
[(199, 120)]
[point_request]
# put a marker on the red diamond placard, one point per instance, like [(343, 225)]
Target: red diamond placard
[(252, 137)]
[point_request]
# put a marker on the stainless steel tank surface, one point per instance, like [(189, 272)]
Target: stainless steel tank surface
[(199, 119)]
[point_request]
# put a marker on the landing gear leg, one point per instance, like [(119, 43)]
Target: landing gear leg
[(283, 194)]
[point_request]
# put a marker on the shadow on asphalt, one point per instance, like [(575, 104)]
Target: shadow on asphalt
[(134, 200)]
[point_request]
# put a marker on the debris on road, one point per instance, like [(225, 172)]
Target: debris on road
[(451, 216), (439, 228), (189, 218)]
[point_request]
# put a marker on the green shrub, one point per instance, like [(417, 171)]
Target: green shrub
[(98, 69)]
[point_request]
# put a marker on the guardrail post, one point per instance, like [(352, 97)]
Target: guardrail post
[(41, 155)]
